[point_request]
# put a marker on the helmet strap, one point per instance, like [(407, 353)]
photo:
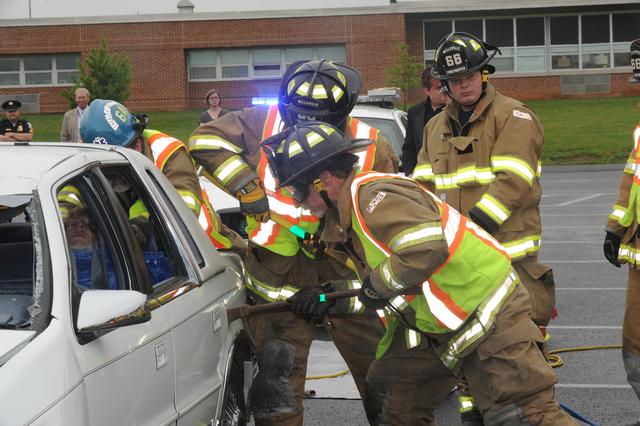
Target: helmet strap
[(320, 188)]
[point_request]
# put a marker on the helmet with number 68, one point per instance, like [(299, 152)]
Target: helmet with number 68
[(459, 54)]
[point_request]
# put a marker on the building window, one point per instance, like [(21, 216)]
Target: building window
[(544, 44), (38, 70), (499, 32), (565, 42), (258, 63), (595, 41), (625, 27), (530, 55)]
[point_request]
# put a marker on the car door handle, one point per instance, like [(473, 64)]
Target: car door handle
[(217, 315)]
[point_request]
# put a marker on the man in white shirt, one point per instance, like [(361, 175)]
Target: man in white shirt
[(70, 131)]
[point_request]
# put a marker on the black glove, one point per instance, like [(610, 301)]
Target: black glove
[(309, 303), (369, 298), (610, 247), (485, 222), (313, 245)]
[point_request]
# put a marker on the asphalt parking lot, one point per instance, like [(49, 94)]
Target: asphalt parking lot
[(590, 298)]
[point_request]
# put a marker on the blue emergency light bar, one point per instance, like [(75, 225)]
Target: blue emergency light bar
[(264, 101)]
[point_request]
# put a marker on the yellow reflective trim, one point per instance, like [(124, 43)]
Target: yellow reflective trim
[(230, 168), (212, 142), (521, 247), (303, 89), (493, 208), (191, 200), (337, 93), (319, 92), (514, 165), (617, 213), (416, 235), (465, 175), (423, 172)]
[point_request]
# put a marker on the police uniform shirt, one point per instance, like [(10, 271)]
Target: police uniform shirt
[(21, 126)]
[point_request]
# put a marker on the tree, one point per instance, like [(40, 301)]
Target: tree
[(406, 73), (105, 75)]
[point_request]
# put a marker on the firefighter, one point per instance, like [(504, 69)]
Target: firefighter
[(109, 122), (279, 266), (622, 244), (482, 157), (432, 273)]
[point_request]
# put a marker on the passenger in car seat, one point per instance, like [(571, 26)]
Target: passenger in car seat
[(92, 262)]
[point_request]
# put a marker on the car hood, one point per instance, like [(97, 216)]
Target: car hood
[(12, 341)]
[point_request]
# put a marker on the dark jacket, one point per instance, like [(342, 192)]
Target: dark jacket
[(417, 116)]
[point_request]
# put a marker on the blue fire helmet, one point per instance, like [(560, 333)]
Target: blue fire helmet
[(110, 123)]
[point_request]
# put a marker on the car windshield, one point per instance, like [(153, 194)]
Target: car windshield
[(389, 129), (19, 287)]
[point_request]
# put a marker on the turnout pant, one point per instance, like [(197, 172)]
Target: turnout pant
[(631, 331), (537, 278), (506, 372), (282, 342)]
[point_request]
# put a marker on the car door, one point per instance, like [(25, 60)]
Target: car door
[(195, 310), (129, 372)]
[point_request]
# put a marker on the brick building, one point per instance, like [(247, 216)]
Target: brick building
[(548, 50)]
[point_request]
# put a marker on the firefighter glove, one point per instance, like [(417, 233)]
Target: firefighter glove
[(310, 303), (312, 245), (253, 201), (369, 297), (610, 247)]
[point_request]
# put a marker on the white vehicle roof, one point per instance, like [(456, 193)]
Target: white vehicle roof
[(24, 164)]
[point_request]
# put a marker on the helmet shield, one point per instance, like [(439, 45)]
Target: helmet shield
[(109, 122), (459, 54), (319, 91), (635, 61)]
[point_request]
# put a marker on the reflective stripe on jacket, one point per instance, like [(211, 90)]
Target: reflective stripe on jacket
[(474, 280)]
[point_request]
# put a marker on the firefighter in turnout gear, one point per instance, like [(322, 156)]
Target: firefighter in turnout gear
[(622, 243), (434, 275), (169, 154), (482, 156), (279, 266)]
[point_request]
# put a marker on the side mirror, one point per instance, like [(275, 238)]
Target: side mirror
[(102, 310)]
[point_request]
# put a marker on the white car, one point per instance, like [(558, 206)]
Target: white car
[(391, 122), (107, 318)]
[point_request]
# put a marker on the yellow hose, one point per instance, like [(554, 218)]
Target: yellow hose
[(555, 361), (329, 376)]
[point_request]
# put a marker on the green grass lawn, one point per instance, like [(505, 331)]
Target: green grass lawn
[(577, 131)]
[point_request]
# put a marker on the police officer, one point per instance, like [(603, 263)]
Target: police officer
[(13, 128), (482, 156), (433, 274), (622, 243), (109, 122)]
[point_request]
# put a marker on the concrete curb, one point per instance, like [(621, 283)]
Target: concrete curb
[(583, 168)]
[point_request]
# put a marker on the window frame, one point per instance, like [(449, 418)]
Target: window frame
[(250, 64), (53, 72), (615, 48)]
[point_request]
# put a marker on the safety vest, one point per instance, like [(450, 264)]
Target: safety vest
[(163, 147), (625, 215), (474, 280), (274, 236)]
